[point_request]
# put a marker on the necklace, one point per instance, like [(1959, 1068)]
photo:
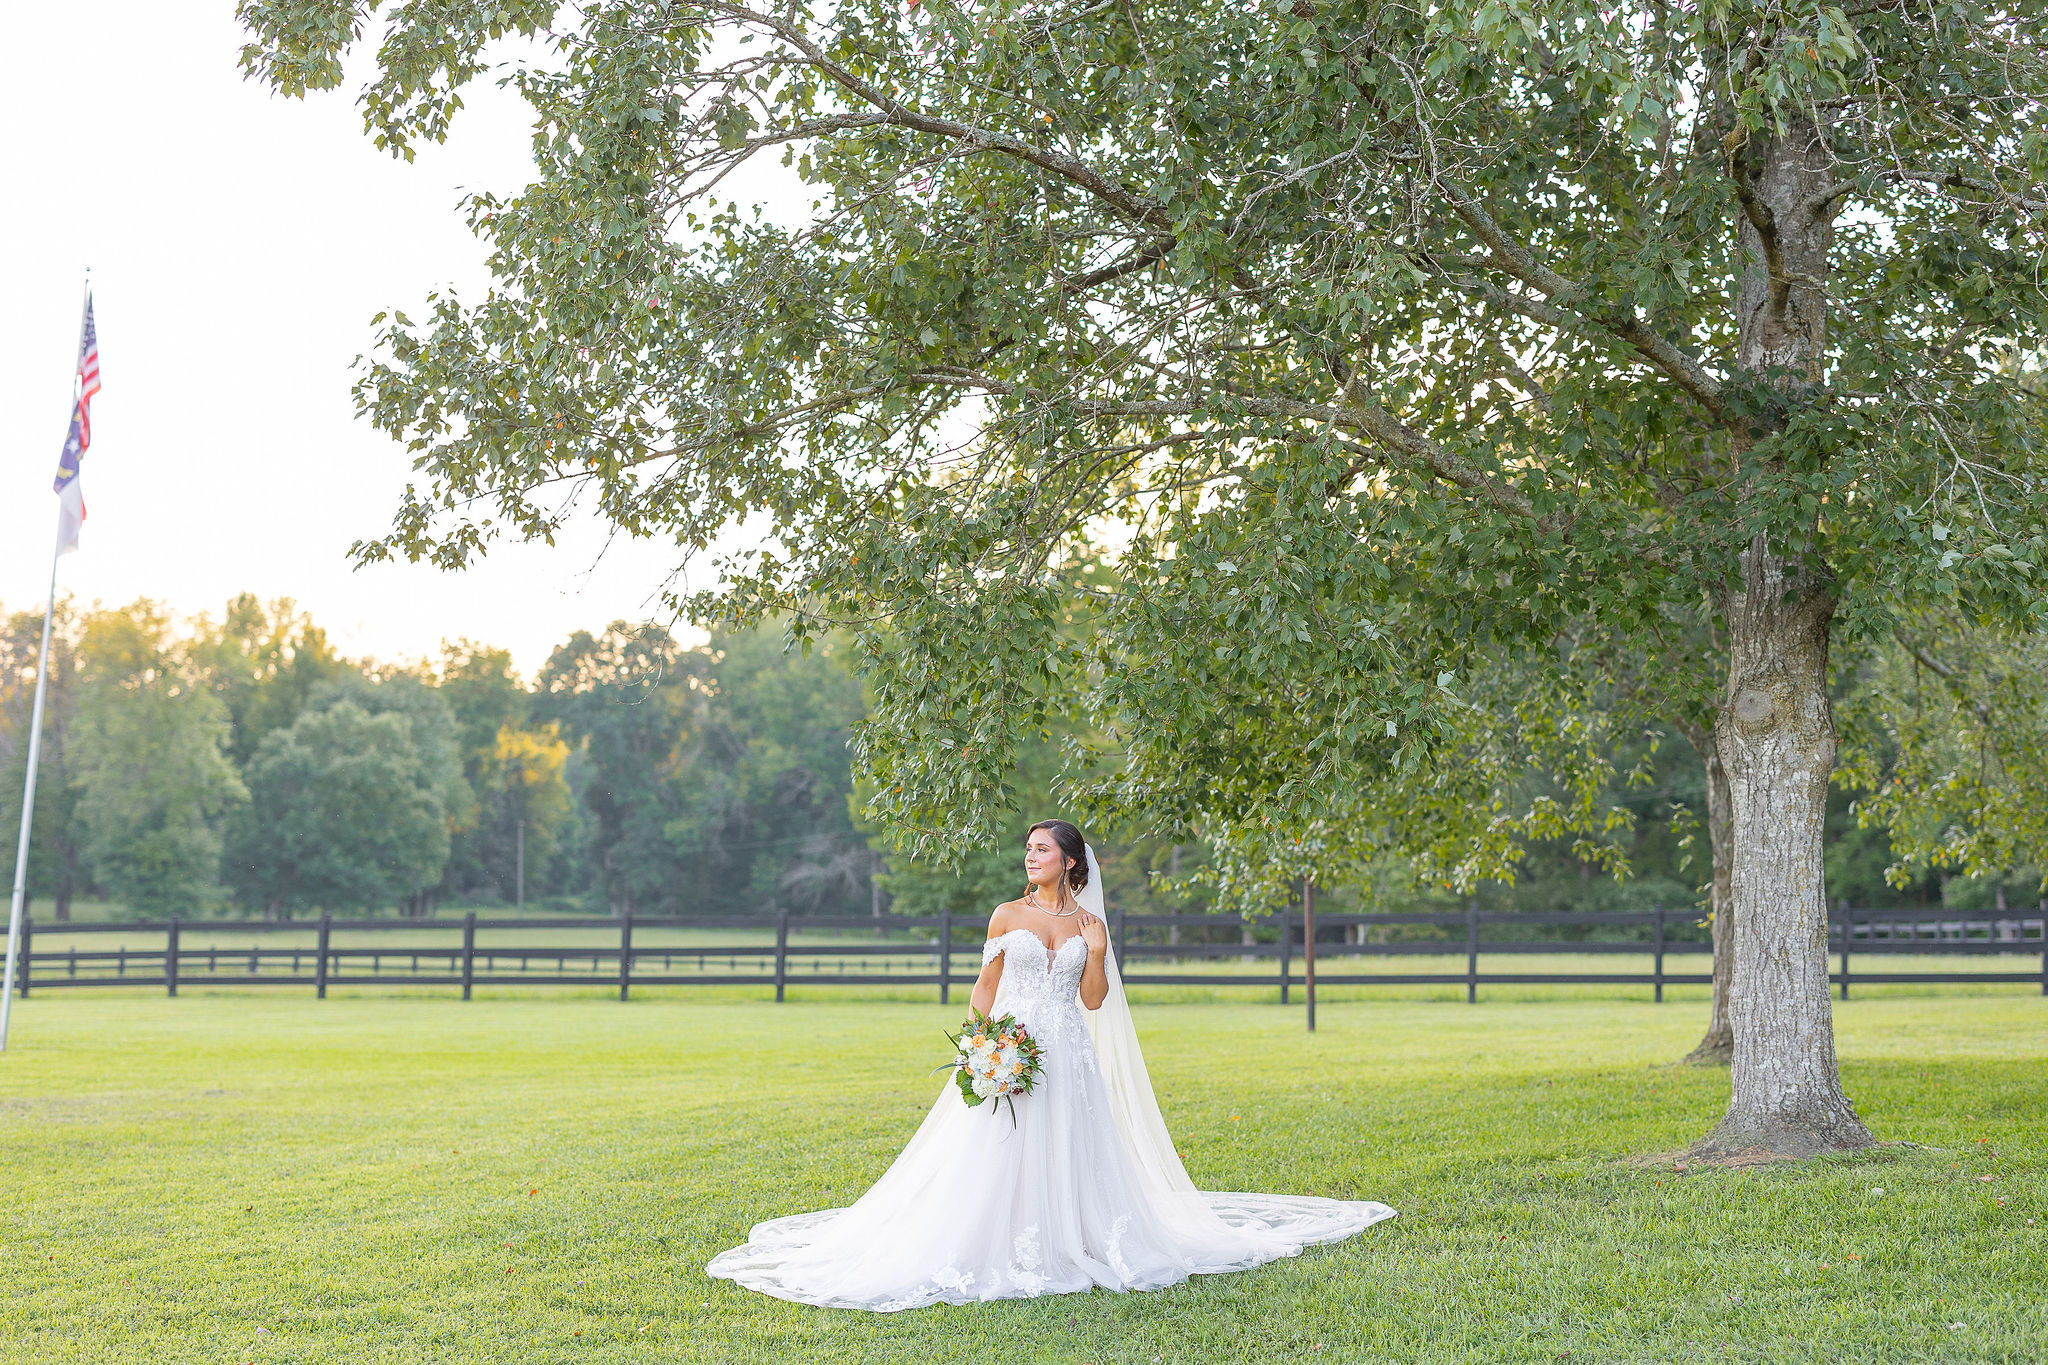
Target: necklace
[(1032, 896)]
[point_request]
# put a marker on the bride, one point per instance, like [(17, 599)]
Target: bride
[(1084, 1190)]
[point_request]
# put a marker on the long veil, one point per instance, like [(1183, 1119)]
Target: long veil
[(1131, 1101)]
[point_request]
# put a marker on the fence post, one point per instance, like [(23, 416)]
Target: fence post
[(320, 966), (1472, 952), (1308, 947), (781, 953), (626, 959), (1120, 953), (1848, 937), (2044, 947), (1286, 950), (1660, 955), (468, 952), (171, 959), (946, 955), (28, 951)]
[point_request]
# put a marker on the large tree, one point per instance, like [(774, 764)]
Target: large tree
[(148, 760), (346, 812), (1365, 339)]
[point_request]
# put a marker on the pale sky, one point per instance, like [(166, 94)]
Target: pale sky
[(239, 246)]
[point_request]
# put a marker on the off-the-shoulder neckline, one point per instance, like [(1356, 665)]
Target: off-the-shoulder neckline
[(1032, 934)]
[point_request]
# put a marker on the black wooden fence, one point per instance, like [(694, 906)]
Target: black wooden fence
[(944, 951)]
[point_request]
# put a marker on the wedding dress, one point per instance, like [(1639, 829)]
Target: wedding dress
[(1084, 1190)]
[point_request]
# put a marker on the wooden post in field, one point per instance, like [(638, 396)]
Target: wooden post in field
[(320, 962), (946, 956), (1286, 949), (1659, 973), (171, 959), (781, 953), (1848, 928), (468, 952), (1472, 952), (626, 957), (1308, 946)]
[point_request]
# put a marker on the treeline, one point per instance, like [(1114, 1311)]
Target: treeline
[(239, 763)]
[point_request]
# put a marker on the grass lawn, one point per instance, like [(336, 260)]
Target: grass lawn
[(246, 1177)]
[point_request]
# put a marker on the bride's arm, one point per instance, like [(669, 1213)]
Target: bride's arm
[(1094, 976), (984, 997)]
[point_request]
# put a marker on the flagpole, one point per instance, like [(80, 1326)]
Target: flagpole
[(35, 747), (28, 807)]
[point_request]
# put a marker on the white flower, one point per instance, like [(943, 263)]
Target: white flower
[(983, 1086), (1008, 1057)]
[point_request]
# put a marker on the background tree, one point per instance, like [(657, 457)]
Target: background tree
[(625, 700), (436, 741), (55, 857), (1953, 752), (264, 661), (346, 812), (485, 697), (1388, 335), (148, 759), (527, 803), (762, 818)]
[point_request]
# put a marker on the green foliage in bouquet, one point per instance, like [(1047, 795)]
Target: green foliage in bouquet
[(995, 1059)]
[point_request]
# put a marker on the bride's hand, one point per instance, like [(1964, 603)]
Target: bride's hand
[(1095, 934)]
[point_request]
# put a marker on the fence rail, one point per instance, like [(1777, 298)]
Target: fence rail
[(1153, 948)]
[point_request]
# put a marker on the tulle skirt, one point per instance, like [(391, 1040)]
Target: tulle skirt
[(978, 1208)]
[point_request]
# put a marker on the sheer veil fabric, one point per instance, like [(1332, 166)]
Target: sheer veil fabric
[(1085, 1191)]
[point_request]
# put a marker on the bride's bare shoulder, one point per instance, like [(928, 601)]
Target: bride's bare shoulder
[(1005, 917)]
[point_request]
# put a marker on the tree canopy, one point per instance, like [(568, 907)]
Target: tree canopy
[(1376, 332)]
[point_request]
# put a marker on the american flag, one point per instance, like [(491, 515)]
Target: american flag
[(70, 498)]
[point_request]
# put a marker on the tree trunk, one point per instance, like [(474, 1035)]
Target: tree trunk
[(1718, 1046), (1776, 740)]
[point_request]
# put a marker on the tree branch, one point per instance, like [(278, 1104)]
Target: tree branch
[(1128, 203), (1517, 260), (1760, 217), (1151, 253), (1947, 180)]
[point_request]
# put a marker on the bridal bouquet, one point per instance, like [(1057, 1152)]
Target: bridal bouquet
[(994, 1059)]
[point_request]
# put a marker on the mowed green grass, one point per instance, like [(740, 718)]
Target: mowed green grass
[(245, 1177)]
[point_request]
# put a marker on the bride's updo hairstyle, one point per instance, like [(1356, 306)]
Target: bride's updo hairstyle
[(1068, 837)]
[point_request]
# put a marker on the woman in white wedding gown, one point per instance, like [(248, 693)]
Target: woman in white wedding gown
[(1084, 1190)]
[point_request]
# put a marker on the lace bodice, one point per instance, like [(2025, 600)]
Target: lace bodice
[(1058, 979), (1043, 989)]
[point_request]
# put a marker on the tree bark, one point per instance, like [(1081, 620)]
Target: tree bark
[(1776, 739), (1718, 1046), (1775, 733)]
